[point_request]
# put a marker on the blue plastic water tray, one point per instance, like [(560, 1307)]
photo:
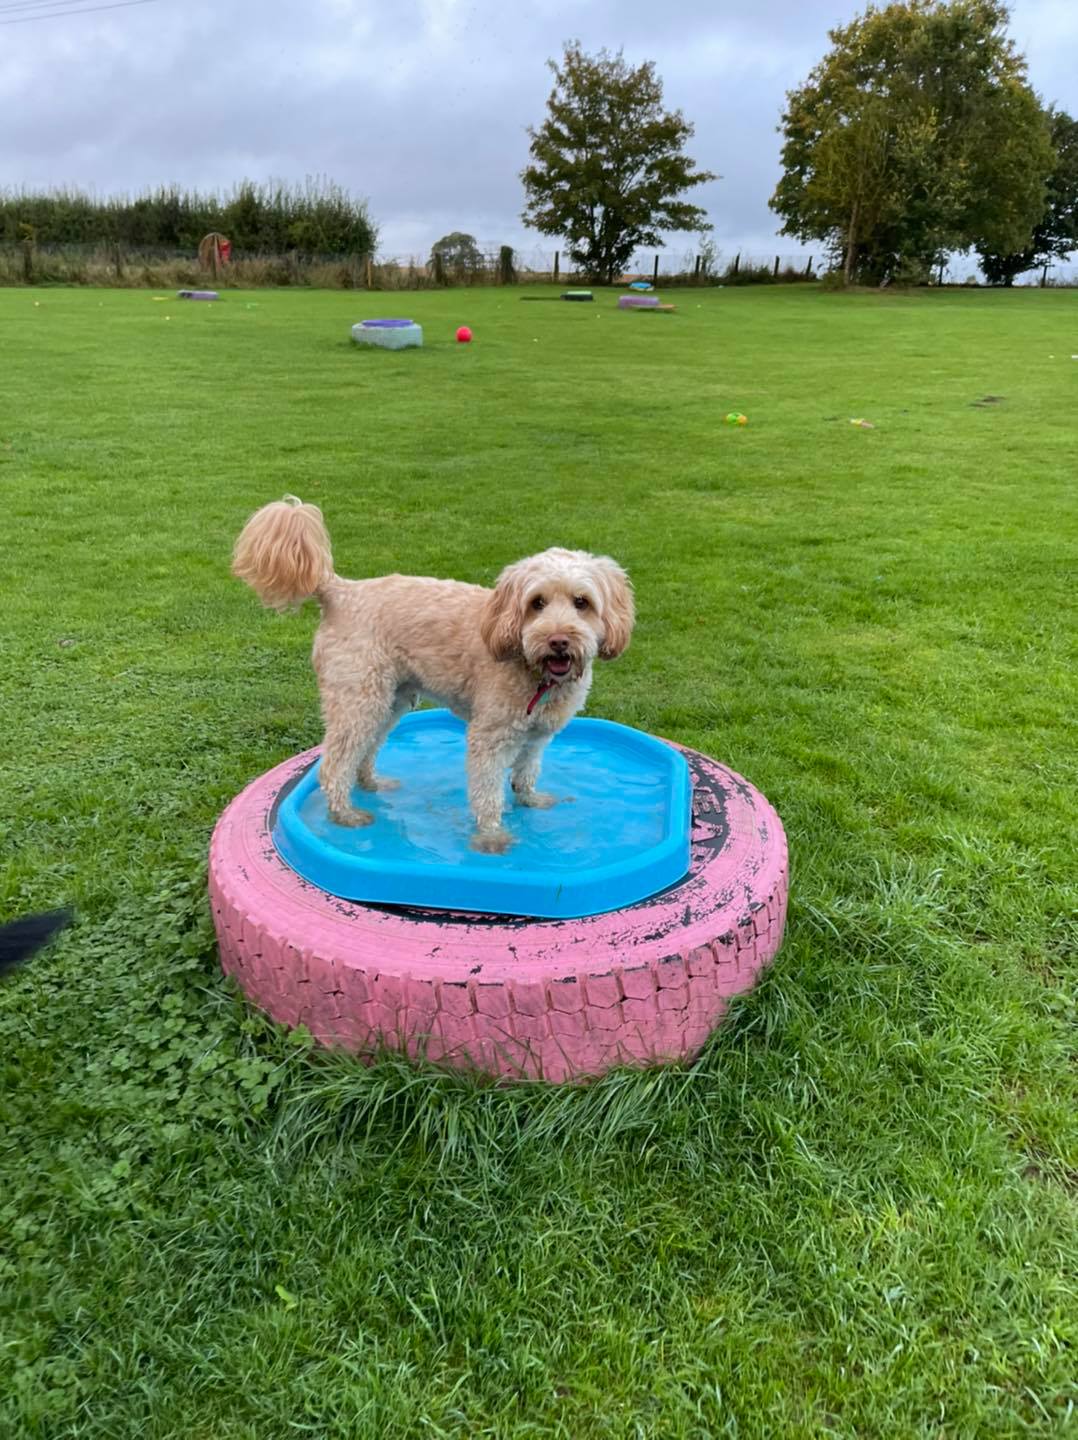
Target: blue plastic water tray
[(625, 835)]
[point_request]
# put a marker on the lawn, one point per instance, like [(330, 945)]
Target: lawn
[(857, 1213)]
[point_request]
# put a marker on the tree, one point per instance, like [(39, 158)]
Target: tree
[(915, 135), (457, 254), (1056, 234), (608, 167)]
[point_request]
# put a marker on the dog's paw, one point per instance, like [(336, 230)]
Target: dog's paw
[(536, 799), (351, 818), (377, 784), (491, 842)]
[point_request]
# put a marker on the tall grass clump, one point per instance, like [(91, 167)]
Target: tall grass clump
[(744, 271)]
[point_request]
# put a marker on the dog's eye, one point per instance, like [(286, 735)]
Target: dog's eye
[(538, 603), (581, 602)]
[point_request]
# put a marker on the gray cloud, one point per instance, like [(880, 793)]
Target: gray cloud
[(419, 106)]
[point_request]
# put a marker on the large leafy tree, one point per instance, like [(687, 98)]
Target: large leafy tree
[(916, 134), (458, 252), (608, 169), (1056, 234)]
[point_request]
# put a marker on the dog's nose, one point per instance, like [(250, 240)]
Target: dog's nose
[(559, 644)]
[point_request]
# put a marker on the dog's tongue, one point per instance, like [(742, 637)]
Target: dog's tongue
[(559, 667)]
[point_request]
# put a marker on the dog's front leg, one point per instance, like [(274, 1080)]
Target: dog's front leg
[(526, 774), (490, 753)]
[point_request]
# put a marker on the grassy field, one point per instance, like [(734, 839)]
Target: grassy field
[(857, 1213)]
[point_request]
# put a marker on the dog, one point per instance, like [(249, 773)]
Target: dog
[(515, 662), (19, 939)]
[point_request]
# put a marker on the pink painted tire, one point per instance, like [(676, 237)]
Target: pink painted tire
[(527, 999)]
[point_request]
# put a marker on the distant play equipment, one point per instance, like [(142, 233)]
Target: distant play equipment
[(388, 334), (464, 335), (565, 295), (613, 932), (640, 285), (197, 295), (638, 302), (214, 250)]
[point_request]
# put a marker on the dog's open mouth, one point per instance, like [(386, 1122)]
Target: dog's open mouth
[(558, 666)]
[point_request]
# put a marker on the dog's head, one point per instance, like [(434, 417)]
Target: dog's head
[(558, 611)]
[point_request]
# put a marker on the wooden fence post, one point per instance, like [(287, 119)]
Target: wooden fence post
[(696, 271), (775, 272), (118, 260), (557, 257), (737, 263), (1044, 276), (655, 272), (28, 260), (808, 269)]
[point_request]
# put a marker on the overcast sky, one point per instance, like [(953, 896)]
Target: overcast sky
[(418, 105)]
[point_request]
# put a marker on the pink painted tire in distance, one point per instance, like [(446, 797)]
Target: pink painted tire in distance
[(517, 998)]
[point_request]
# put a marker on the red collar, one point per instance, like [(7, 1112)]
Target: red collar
[(541, 694)]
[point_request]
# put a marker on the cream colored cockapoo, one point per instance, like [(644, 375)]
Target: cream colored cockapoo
[(514, 662)]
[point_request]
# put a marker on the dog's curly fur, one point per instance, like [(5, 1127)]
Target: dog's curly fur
[(486, 654)]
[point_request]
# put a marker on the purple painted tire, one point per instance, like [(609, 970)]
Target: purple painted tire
[(523, 999)]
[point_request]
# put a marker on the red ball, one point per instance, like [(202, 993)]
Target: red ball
[(464, 334)]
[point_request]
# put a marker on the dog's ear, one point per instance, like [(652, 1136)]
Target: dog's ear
[(501, 623), (619, 612)]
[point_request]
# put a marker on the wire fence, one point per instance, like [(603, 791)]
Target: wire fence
[(115, 264), (964, 270), (119, 265), (673, 266)]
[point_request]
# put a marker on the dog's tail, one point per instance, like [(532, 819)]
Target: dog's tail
[(283, 553), (19, 939)]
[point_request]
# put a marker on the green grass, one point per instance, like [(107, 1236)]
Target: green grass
[(855, 1215)]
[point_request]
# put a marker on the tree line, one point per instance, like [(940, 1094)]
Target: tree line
[(318, 218), (917, 135)]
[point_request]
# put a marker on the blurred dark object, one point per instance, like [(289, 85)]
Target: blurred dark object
[(19, 939)]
